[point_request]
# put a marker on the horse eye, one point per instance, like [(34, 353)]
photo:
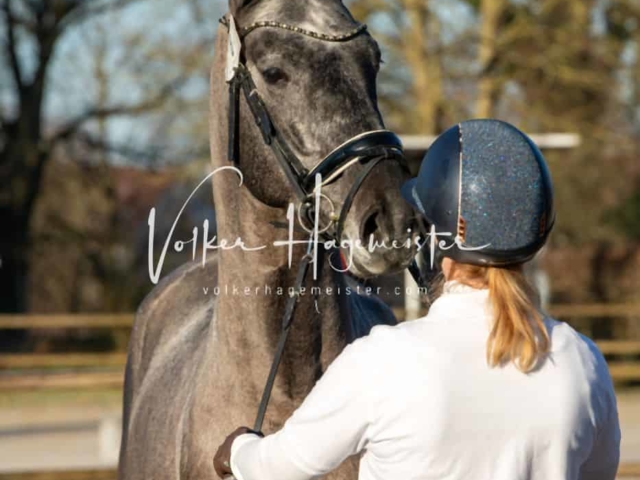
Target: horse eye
[(274, 75)]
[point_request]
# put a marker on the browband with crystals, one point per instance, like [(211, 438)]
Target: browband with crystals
[(244, 31)]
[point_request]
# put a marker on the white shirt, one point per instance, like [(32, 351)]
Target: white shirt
[(420, 402)]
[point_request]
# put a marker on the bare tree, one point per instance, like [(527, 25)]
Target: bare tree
[(31, 32), (491, 20)]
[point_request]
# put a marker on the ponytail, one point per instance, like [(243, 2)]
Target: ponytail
[(518, 333)]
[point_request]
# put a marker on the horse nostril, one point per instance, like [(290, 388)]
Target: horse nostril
[(370, 226)]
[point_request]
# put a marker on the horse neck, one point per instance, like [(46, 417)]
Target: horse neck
[(248, 326), (253, 290)]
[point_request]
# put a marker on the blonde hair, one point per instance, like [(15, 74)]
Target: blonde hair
[(518, 333)]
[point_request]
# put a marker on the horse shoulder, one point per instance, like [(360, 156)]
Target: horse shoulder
[(169, 325), (184, 299)]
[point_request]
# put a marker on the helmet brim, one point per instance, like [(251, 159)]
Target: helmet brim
[(408, 192)]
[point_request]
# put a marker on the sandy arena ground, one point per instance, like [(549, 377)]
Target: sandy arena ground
[(82, 430)]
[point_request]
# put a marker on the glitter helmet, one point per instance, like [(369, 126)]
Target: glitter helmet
[(485, 190)]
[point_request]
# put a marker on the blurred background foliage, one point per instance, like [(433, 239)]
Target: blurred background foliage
[(103, 115)]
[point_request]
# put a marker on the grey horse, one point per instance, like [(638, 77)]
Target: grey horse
[(198, 362)]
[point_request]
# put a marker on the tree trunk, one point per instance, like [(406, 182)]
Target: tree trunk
[(13, 274), (491, 11), (24, 157), (426, 69), (13, 268)]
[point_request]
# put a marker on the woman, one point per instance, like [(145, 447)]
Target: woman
[(485, 386)]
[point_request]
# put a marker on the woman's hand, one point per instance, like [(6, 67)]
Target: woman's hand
[(223, 456)]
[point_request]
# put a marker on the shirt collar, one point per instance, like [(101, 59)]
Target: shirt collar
[(454, 286), (460, 299)]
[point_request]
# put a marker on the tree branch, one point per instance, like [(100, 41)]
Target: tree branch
[(35, 182), (11, 44), (150, 156), (84, 11), (73, 126), (94, 143)]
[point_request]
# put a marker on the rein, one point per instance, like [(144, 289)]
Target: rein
[(287, 321)]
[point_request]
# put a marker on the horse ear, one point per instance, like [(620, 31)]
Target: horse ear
[(235, 6)]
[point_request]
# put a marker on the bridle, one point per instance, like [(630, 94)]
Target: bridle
[(368, 148)]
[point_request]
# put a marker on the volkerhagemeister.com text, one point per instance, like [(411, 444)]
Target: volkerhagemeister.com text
[(266, 290)]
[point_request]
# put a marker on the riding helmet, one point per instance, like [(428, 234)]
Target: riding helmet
[(485, 189)]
